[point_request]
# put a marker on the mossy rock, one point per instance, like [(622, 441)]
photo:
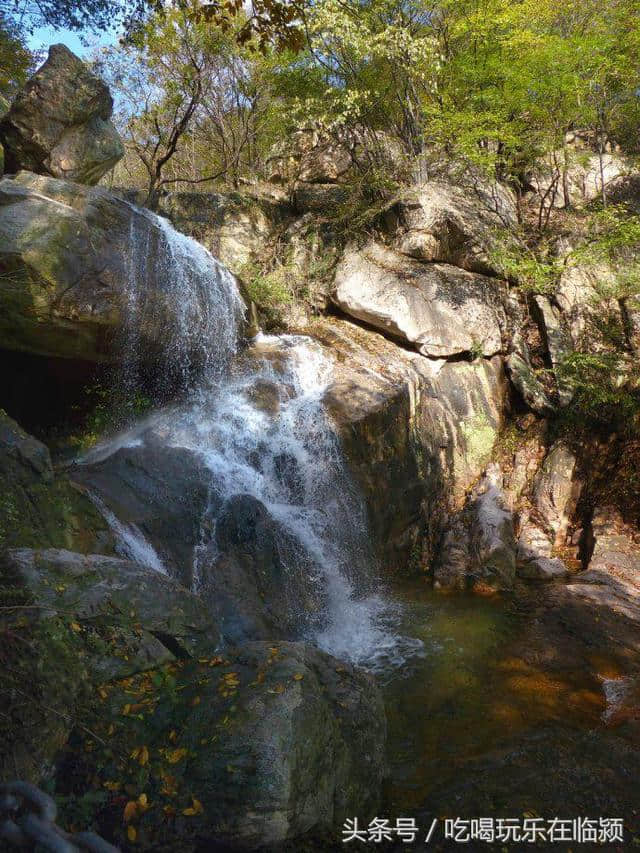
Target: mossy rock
[(38, 509)]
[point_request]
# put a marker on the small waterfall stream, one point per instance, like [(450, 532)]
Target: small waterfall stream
[(259, 425)]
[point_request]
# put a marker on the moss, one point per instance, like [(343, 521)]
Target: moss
[(479, 438)]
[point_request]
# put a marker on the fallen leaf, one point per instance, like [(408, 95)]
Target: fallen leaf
[(130, 811), (176, 755), (75, 627), (194, 809), (131, 833), (298, 676)]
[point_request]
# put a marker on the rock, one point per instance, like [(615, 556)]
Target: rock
[(612, 579), (416, 434), (525, 381), (318, 197), (479, 550), (263, 585), (543, 569), (304, 757), (164, 491), (583, 180), (264, 744), (59, 124), (447, 224), (38, 509), (556, 340), (438, 310), (235, 227), (157, 620), (556, 491), (591, 314), (73, 260)]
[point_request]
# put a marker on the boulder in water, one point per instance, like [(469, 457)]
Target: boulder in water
[(59, 123), (265, 583)]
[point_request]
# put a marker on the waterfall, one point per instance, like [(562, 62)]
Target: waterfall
[(259, 425)]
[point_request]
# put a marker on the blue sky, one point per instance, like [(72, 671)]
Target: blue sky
[(43, 37)]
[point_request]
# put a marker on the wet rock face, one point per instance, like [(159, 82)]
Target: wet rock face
[(479, 548), (258, 578), (439, 310), (59, 124), (164, 491), (87, 276)]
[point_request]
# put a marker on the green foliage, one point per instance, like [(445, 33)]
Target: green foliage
[(613, 238), (272, 289), (606, 392), (15, 58), (532, 269)]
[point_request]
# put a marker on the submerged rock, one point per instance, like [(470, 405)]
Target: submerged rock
[(59, 124), (437, 309)]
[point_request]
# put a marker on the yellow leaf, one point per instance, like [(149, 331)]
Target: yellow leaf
[(112, 786), (298, 676), (279, 688), (173, 736), (75, 627), (111, 729), (176, 755), (194, 809), (130, 811), (126, 710), (143, 802), (131, 833), (102, 693), (196, 700), (144, 756)]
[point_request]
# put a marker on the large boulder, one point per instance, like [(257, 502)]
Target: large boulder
[(157, 619), (450, 224), (417, 433), (75, 622), (251, 748), (87, 276), (59, 123), (583, 179), (437, 309)]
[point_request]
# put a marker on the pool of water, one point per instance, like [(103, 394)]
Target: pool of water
[(492, 710)]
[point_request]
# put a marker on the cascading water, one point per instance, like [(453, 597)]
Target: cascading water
[(262, 431)]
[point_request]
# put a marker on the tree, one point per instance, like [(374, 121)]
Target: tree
[(191, 101)]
